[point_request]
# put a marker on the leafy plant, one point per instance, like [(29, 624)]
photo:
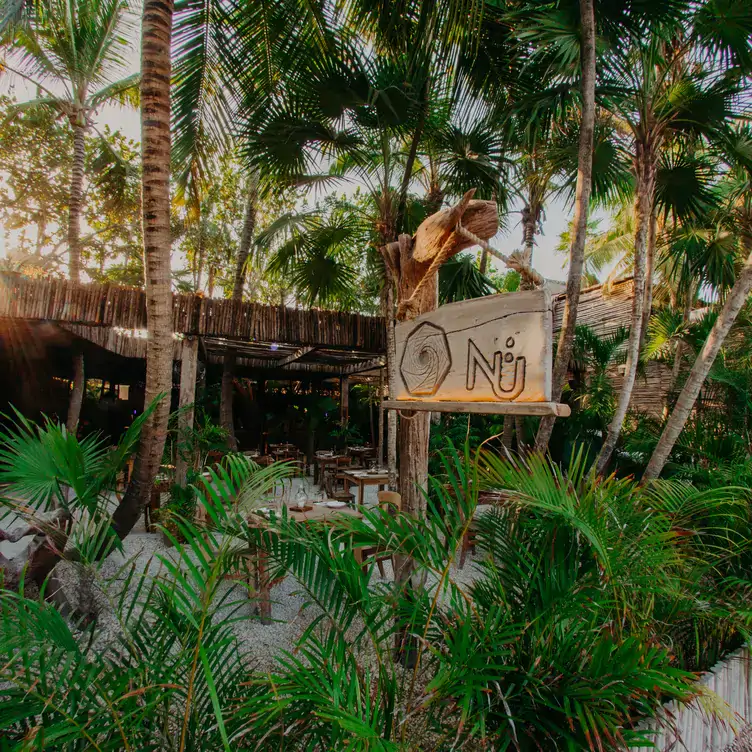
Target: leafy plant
[(345, 434), (591, 603)]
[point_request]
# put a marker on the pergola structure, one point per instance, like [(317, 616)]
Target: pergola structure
[(269, 342), (284, 340)]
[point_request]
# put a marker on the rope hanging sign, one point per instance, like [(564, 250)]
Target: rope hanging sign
[(488, 355)]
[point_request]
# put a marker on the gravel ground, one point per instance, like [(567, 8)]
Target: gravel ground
[(291, 611)]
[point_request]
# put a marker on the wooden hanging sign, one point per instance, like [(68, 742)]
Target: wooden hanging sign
[(487, 355)]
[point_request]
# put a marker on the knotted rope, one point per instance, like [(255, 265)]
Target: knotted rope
[(511, 262)]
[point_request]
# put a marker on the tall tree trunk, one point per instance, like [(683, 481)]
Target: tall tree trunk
[(74, 199), (645, 164), (77, 393), (246, 239), (200, 256), (582, 201), (483, 261), (529, 223), (74, 255), (228, 365), (704, 362), (649, 270), (679, 351), (156, 33)]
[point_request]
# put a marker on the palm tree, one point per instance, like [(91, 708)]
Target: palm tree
[(582, 199), (76, 46), (741, 221), (241, 262), (156, 32), (666, 97)]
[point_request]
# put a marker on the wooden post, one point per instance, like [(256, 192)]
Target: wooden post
[(187, 399), (414, 263), (344, 400)]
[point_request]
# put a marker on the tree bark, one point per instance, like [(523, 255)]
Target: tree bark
[(702, 365), (226, 418), (582, 201), (77, 393), (645, 168), (156, 36), (74, 200)]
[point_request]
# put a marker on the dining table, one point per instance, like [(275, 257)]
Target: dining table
[(363, 478), (361, 453), (320, 462), (323, 512)]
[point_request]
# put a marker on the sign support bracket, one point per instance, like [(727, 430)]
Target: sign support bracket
[(557, 409)]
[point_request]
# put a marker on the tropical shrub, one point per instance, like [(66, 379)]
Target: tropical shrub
[(591, 602)]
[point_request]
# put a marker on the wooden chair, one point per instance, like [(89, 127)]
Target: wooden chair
[(332, 474), (391, 502), (336, 493)]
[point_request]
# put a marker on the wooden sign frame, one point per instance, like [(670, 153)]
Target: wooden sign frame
[(487, 355)]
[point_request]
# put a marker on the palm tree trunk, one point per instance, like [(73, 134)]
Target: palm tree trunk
[(77, 393), (228, 365), (74, 255), (74, 200), (244, 248), (529, 223), (483, 261), (649, 269), (156, 36), (200, 256), (582, 200), (645, 163), (686, 401), (679, 351)]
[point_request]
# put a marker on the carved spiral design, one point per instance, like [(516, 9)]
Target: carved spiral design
[(426, 359)]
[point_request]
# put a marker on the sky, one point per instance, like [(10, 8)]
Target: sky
[(546, 260)]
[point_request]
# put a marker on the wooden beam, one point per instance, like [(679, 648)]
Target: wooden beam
[(271, 364), (489, 408), (365, 365), (297, 355), (188, 368)]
